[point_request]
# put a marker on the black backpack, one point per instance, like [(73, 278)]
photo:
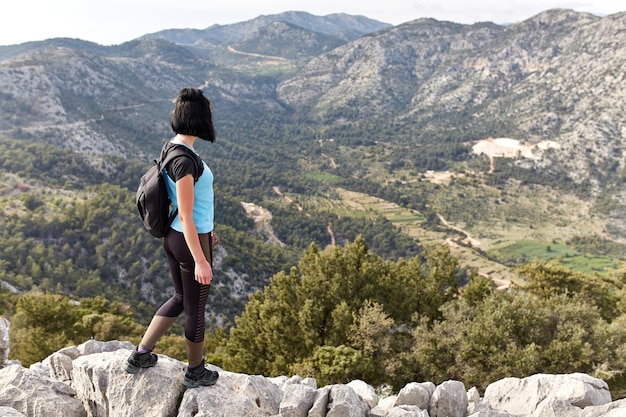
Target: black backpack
[(153, 203)]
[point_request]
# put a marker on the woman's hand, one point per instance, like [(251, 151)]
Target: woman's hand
[(215, 240), (203, 272)]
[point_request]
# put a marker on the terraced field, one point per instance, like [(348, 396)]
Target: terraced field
[(532, 224)]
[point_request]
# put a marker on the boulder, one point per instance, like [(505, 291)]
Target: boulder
[(383, 407), (232, 395), (297, 399), (365, 391), (89, 381), (10, 412), (59, 366), (415, 393), (473, 398), (105, 389), (407, 411), (523, 396), (344, 402), (320, 404), (95, 346), (449, 400), (492, 413), (32, 394), (552, 407)]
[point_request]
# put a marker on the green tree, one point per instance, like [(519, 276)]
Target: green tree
[(547, 278), (265, 339), (382, 344), (334, 364), (302, 318), (511, 334), (332, 284), (45, 323), (477, 289), (421, 285)]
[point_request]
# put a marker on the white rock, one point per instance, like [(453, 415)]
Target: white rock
[(473, 398), (523, 396), (96, 346), (415, 393), (320, 404), (365, 391), (232, 395), (297, 400), (344, 402), (449, 400), (384, 405), (10, 412), (105, 389), (35, 395), (4, 340)]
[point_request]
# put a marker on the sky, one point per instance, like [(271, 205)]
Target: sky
[(111, 22)]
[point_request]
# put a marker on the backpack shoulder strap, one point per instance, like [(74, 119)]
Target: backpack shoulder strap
[(169, 153)]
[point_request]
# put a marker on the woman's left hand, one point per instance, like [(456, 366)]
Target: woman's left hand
[(215, 240), (203, 272)]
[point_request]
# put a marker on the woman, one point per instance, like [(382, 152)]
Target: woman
[(188, 244)]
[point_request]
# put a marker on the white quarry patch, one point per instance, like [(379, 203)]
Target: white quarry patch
[(511, 148)]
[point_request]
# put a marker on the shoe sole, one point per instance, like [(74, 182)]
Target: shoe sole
[(132, 369), (194, 384)]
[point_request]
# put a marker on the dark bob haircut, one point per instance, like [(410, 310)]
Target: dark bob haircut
[(192, 115)]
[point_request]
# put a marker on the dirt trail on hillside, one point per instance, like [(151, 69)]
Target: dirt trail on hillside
[(270, 57), (329, 229), (287, 198), (468, 237), (474, 243)]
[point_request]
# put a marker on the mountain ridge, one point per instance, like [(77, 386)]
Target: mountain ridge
[(344, 26)]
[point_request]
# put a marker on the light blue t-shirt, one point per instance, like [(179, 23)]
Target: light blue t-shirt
[(202, 198)]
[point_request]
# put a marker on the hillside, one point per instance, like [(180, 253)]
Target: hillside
[(505, 142)]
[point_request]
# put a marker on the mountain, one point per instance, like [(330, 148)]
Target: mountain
[(506, 142), (555, 76), (286, 40), (7, 52), (340, 25)]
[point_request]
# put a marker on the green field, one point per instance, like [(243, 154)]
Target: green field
[(525, 250)]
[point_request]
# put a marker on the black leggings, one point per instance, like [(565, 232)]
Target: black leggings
[(189, 295)]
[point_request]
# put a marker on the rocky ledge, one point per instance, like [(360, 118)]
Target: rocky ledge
[(88, 380)]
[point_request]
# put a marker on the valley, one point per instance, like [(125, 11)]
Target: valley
[(489, 244), (346, 150), (500, 142)]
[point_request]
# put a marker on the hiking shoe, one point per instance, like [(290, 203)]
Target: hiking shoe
[(200, 376), (138, 360)]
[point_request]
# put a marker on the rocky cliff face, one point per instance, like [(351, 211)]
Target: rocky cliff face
[(558, 75), (88, 380)]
